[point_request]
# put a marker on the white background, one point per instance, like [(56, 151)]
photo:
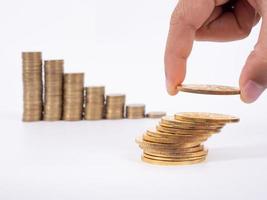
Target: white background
[(120, 44)]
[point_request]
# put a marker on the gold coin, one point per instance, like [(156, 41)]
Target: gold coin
[(182, 150), (91, 106), (134, 116), (73, 78), (93, 118), (74, 118), (191, 126), (114, 117), (135, 106), (163, 129), (52, 116), (31, 119), (158, 134), (115, 111), (176, 154), (209, 89), (31, 55), (155, 114), (149, 144), (173, 158), (206, 117), (169, 163), (54, 62), (94, 112), (171, 121), (166, 140), (95, 90), (115, 100), (115, 96)]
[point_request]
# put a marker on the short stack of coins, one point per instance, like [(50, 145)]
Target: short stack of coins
[(115, 104), (73, 96), (178, 140), (135, 111), (32, 86), (53, 105), (94, 103)]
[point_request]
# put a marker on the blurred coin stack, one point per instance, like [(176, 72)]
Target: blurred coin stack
[(54, 70), (115, 104), (135, 111), (94, 103), (177, 140), (73, 96), (32, 86)]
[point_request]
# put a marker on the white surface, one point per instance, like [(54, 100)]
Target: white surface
[(120, 44), (100, 160)]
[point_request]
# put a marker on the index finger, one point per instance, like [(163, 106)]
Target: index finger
[(188, 16)]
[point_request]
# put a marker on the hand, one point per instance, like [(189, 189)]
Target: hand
[(218, 20)]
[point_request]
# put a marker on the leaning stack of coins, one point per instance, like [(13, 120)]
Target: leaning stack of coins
[(54, 70), (94, 103), (73, 96), (32, 86), (177, 140), (115, 106), (135, 111)]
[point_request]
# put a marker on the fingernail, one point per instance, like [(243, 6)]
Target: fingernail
[(251, 91), (170, 89)]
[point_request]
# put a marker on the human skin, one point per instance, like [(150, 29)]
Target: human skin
[(218, 21)]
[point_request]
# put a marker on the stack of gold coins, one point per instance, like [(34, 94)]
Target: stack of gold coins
[(135, 111), (73, 96), (115, 106), (178, 140), (54, 70), (32, 86), (94, 103)]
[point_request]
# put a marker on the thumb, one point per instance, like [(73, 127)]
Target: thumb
[(253, 79)]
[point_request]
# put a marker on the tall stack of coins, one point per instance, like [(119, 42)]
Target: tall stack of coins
[(73, 96), (54, 70), (32, 86), (135, 111), (115, 106), (177, 140), (94, 103)]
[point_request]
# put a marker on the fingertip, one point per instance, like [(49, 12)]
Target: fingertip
[(244, 99), (175, 70), (171, 88), (251, 91), (172, 91)]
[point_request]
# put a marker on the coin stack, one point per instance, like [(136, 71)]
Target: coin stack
[(32, 86), (73, 96), (54, 70), (94, 103), (115, 106), (135, 111), (178, 140)]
